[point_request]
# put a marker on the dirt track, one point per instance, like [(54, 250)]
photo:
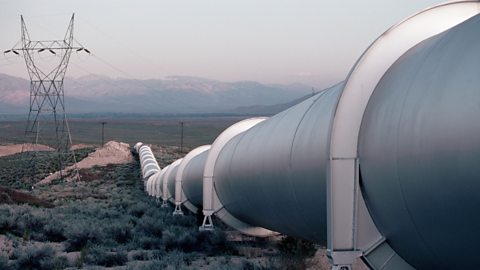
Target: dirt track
[(7, 150), (111, 153)]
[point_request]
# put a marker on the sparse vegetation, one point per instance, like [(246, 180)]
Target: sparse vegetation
[(38, 258), (297, 247), (22, 170), (106, 220)]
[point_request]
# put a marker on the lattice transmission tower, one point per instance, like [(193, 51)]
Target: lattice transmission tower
[(47, 124)]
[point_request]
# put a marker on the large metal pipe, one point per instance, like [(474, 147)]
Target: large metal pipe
[(211, 203), (148, 162), (149, 185), (189, 180), (252, 171), (137, 146), (350, 226), (420, 151), (274, 174), (157, 178), (415, 144), (162, 184), (168, 189)]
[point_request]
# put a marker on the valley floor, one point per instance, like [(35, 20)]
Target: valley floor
[(106, 220)]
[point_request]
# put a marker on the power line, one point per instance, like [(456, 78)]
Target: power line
[(47, 102)]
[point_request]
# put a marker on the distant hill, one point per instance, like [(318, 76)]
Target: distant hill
[(173, 95)]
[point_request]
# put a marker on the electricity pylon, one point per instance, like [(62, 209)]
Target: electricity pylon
[(47, 120)]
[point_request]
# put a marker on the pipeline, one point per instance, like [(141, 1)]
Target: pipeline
[(148, 163), (382, 166)]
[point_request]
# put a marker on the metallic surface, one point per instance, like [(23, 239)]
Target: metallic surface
[(162, 183), (420, 150), (273, 175), (157, 180), (415, 200), (350, 227), (169, 181), (149, 186), (152, 184), (47, 99), (189, 179), (137, 146), (148, 162), (211, 203)]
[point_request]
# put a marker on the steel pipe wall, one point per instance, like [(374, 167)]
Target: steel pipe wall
[(157, 180), (382, 166), (193, 179), (420, 151), (168, 189), (148, 162), (189, 179), (211, 203), (278, 167)]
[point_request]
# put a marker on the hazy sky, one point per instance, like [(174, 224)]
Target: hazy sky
[(271, 41)]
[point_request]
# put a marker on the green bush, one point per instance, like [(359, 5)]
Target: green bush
[(215, 242), (138, 209), (148, 242), (297, 247), (150, 226), (121, 233), (38, 258), (24, 221), (189, 240), (7, 222), (175, 259), (98, 256), (4, 262), (54, 231), (81, 236), (141, 255), (187, 220)]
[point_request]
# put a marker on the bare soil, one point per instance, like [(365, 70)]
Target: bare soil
[(10, 196), (11, 149), (111, 153)]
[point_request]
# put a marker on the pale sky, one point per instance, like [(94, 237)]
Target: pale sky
[(313, 42)]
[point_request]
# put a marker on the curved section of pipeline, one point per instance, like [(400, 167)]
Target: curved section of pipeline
[(278, 168), (189, 179), (420, 151)]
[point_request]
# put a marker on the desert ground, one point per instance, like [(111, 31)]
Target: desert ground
[(105, 220)]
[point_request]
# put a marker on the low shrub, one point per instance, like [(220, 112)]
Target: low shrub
[(97, 256), (37, 258), (150, 265), (175, 260), (297, 247), (148, 242), (138, 209), (82, 235), (187, 221), (6, 220), (141, 255), (121, 233), (24, 221), (215, 242), (4, 262), (54, 231), (189, 240), (150, 226)]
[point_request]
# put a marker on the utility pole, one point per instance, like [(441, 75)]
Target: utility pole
[(47, 96), (103, 133), (181, 136)]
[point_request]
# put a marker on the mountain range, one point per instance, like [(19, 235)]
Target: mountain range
[(173, 95)]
